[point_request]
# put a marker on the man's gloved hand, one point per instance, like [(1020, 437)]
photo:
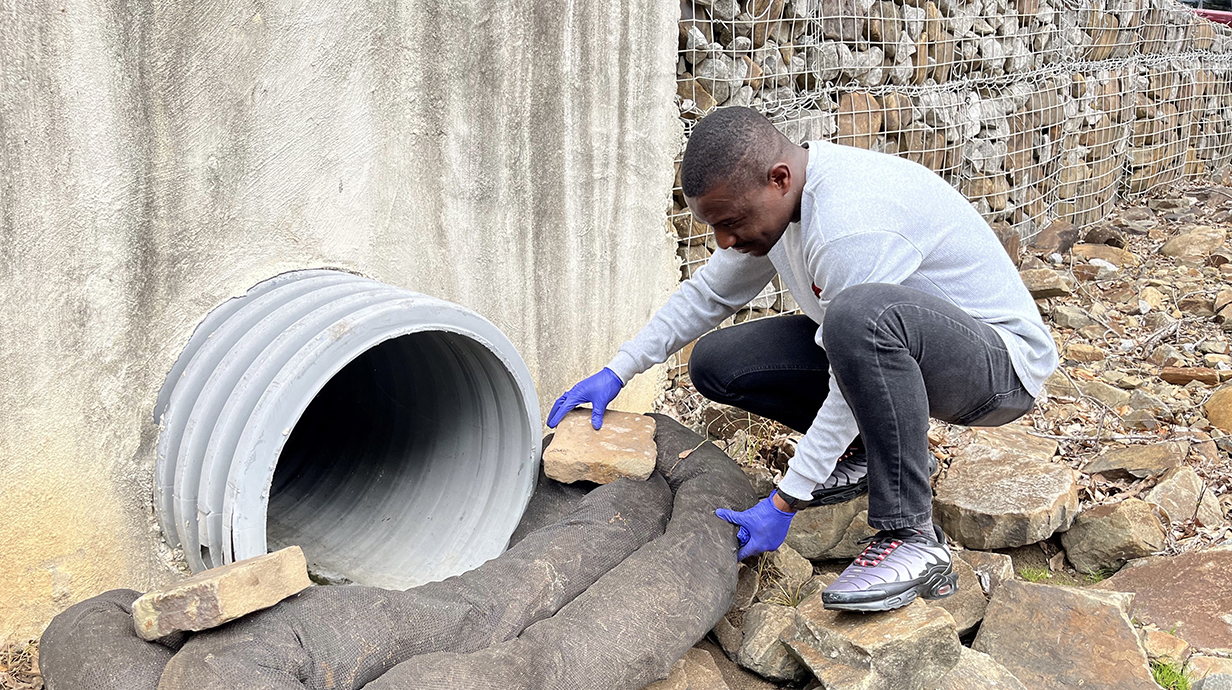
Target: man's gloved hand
[(598, 390), (762, 527)]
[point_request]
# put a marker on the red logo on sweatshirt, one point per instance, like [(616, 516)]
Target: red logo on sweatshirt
[(816, 291)]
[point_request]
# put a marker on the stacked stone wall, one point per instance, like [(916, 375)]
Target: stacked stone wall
[(1037, 110)]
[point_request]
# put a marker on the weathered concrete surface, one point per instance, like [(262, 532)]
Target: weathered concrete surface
[(1191, 593), (156, 159), (213, 597)]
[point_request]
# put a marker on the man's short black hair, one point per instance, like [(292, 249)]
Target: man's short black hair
[(733, 144)]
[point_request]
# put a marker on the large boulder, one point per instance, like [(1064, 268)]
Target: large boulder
[(978, 671), (995, 498), (1105, 537), (911, 648), (1059, 638), (1191, 592)]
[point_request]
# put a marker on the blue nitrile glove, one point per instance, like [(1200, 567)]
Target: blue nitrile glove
[(762, 527), (598, 390)]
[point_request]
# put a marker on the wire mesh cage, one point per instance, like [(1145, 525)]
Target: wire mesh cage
[(1036, 110)]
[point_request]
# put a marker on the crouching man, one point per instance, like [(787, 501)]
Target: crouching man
[(911, 309)]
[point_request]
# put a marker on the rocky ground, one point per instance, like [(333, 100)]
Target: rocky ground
[(1125, 460)]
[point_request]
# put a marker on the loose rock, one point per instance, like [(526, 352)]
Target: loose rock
[(1179, 376), (1108, 395), (793, 569), (815, 531), (1139, 461), (624, 447), (1058, 638), (990, 568), (911, 647), (995, 498), (219, 595), (1084, 352), (1195, 244), (696, 670), (1191, 592), (1218, 681), (1071, 317), (1045, 282), (1057, 238), (966, 606), (1177, 493), (1168, 648), (1113, 255), (1107, 536), (1208, 668), (761, 651), (978, 671), (1219, 409)]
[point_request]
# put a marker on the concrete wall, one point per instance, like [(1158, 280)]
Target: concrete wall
[(513, 157)]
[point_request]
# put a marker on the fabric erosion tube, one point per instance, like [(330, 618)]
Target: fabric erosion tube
[(391, 435), (628, 628), (603, 598), (341, 637)]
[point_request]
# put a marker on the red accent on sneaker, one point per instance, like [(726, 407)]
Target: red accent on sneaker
[(879, 555)]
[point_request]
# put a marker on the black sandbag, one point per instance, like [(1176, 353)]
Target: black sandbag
[(93, 644), (629, 627), (343, 637), (551, 502)]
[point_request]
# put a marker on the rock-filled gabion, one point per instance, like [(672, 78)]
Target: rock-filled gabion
[(1035, 109)]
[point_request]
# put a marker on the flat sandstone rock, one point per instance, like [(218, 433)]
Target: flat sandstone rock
[(1059, 638), (1190, 594), (994, 498), (624, 447), (911, 647), (219, 595)]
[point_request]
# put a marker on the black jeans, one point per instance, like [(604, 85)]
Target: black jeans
[(899, 355)]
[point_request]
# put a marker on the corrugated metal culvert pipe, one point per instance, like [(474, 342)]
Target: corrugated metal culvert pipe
[(392, 435)]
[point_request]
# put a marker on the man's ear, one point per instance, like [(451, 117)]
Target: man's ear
[(779, 177)]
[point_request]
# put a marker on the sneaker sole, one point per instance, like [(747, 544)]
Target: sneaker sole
[(829, 497), (937, 586)]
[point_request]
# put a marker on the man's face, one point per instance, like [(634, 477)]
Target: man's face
[(750, 220)]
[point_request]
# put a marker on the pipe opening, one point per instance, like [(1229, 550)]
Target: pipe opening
[(393, 458), (391, 435)]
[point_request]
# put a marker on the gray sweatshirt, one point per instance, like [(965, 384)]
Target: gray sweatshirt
[(865, 217)]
